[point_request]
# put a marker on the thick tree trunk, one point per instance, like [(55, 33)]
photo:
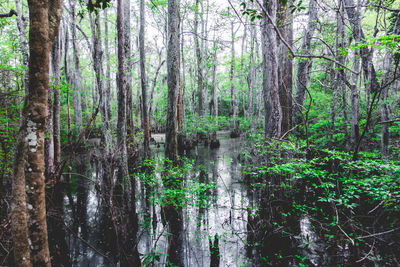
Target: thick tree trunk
[(143, 81), (122, 170), (173, 214), (304, 65), (44, 24), (272, 107), (19, 226), (285, 25)]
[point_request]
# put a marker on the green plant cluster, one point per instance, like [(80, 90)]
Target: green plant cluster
[(177, 186), (346, 200)]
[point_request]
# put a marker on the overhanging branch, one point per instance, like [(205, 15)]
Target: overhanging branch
[(9, 14)]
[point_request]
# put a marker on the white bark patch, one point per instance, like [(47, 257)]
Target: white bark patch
[(31, 137)]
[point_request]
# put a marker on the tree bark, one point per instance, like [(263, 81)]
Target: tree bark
[(56, 56), (108, 68), (122, 170), (272, 107), (387, 65), (285, 26), (213, 102), (44, 24), (24, 44), (129, 66), (173, 214), (199, 61), (304, 65), (233, 103), (143, 80), (99, 73), (76, 76)]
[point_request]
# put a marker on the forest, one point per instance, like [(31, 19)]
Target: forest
[(199, 133)]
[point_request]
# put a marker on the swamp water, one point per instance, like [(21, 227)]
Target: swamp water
[(226, 214)]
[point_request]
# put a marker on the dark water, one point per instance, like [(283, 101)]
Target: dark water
[(225, 216)]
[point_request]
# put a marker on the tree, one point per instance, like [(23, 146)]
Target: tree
[(200, 82), (44, 18), (173, 214), (272, 106), (143, 81), (305, 64)]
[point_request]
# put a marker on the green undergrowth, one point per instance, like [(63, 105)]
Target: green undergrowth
[(348, 201)]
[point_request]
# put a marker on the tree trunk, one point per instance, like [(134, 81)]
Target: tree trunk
[(76, 76), (143, 81), (99, 73), (183, 80), (272, 107), (24, 44), (108, 68), (56, 56), (44, 24), (122, 170), (233, 109), (199, 61), (154, 84), (387, 65), (285, 25), (129, 66), (173, 214), (251, 76), (304, 65), (213, 102)]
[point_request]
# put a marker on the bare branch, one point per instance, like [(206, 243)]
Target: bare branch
[(9, 14), (291, 49)]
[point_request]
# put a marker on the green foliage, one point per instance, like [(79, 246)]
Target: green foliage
[(329, 187), (174, 187)]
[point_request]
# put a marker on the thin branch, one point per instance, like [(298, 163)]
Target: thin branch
[(377, 234), (391, 121), (237, 14), (291, 51), (9, 14)]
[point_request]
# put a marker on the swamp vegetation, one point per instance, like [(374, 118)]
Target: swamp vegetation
[(199, 133)]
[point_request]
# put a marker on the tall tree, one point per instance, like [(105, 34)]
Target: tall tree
[(129, 66), (76, 74), (233, 106), (385, 86), (305, 64), (285, 68), (173, 214), (122, 170), (143, 80), (272, 106), (97, 54), (200, 82), (44, 18)]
